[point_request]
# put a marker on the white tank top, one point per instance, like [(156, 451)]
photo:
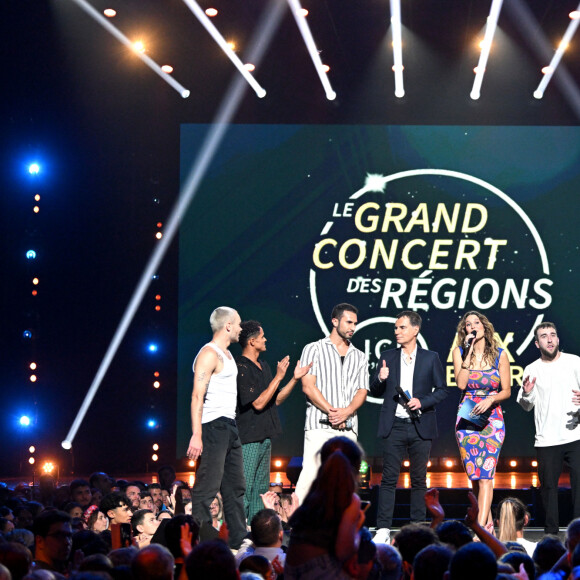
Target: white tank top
[(220, 398)]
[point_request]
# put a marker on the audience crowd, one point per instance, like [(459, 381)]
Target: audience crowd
[(101, 528)]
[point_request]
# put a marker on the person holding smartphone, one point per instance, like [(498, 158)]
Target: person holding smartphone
[(482, 372)]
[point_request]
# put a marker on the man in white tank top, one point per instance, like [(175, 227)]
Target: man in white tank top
[(215, 443)]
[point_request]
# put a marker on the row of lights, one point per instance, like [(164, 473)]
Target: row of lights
[(139, 45), (449, 463)]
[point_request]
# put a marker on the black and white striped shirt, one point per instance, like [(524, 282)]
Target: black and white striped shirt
[(337, 381)]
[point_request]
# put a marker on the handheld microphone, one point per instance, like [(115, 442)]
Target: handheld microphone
[(467, 345), (406, 398)]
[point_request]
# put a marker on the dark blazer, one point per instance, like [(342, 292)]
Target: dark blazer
[(428, 386)]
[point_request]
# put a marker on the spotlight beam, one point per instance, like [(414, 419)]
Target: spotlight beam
[(570, 31), (296, 9), (224, 116), (106, 24), (485, 49), (216, 35), (397, 47)]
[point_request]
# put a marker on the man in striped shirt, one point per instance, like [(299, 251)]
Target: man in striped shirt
[(335, 387)]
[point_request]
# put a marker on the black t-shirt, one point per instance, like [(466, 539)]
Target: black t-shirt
[(253, 425)]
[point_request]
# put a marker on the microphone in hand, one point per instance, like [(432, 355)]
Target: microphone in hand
[(415, 414), (468, 342)]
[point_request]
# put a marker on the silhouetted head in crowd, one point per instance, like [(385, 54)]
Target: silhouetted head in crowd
[(16, 557), (53, 539), (154, 562), (410, 540), (80, 492), (453, 533), (390, 561), (473, 561), (117, 507), (431, 562), (267, 529), (547, 552), (166, 475), (101, 481), (514, 559), (212, 559)]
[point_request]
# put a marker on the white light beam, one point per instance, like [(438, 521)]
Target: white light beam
[(487, 41), (214, 137), (397, 47), (105, 23), (539, 92), (221, 41), (296, 9)]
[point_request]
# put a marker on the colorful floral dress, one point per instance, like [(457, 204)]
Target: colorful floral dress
[(479, 448)]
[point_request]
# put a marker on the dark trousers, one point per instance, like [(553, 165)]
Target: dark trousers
[(403, 440), (221, 468), (550, 462)]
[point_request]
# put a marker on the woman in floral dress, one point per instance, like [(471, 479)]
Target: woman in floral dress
[(482, 372)]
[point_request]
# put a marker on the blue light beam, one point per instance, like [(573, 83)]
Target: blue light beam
[(225, 114)]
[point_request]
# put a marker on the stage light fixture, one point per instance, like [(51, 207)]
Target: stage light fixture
[(35, 209), (534, 463), (191, 463), (311, 47), (513, 463), (211, 12), (157, 308), (232, 45), (159, 235), (564, 43), (157, 296), (155, 447), (31, 460), (139, 46), (25, 421), (153, 347), (303, 12), (490, 29), (154, 457), (325, 68), (37, 197), (396, 29), (167, 68), (34, 292), (406, 463), (34, 169), (31, 255), (33, 378), (429, 463), (31, 449), (250, 67), (110, 13), (27, 335), (156, 384), (48, 467), (156, 374), (32, 366), (35, 281), (277, 463), (449, 463), (574, 15), (152, 423)]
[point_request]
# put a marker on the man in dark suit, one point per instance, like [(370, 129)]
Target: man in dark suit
[(406, 427)]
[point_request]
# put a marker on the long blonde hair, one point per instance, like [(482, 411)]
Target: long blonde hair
[(512, 518), (491, 348)]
